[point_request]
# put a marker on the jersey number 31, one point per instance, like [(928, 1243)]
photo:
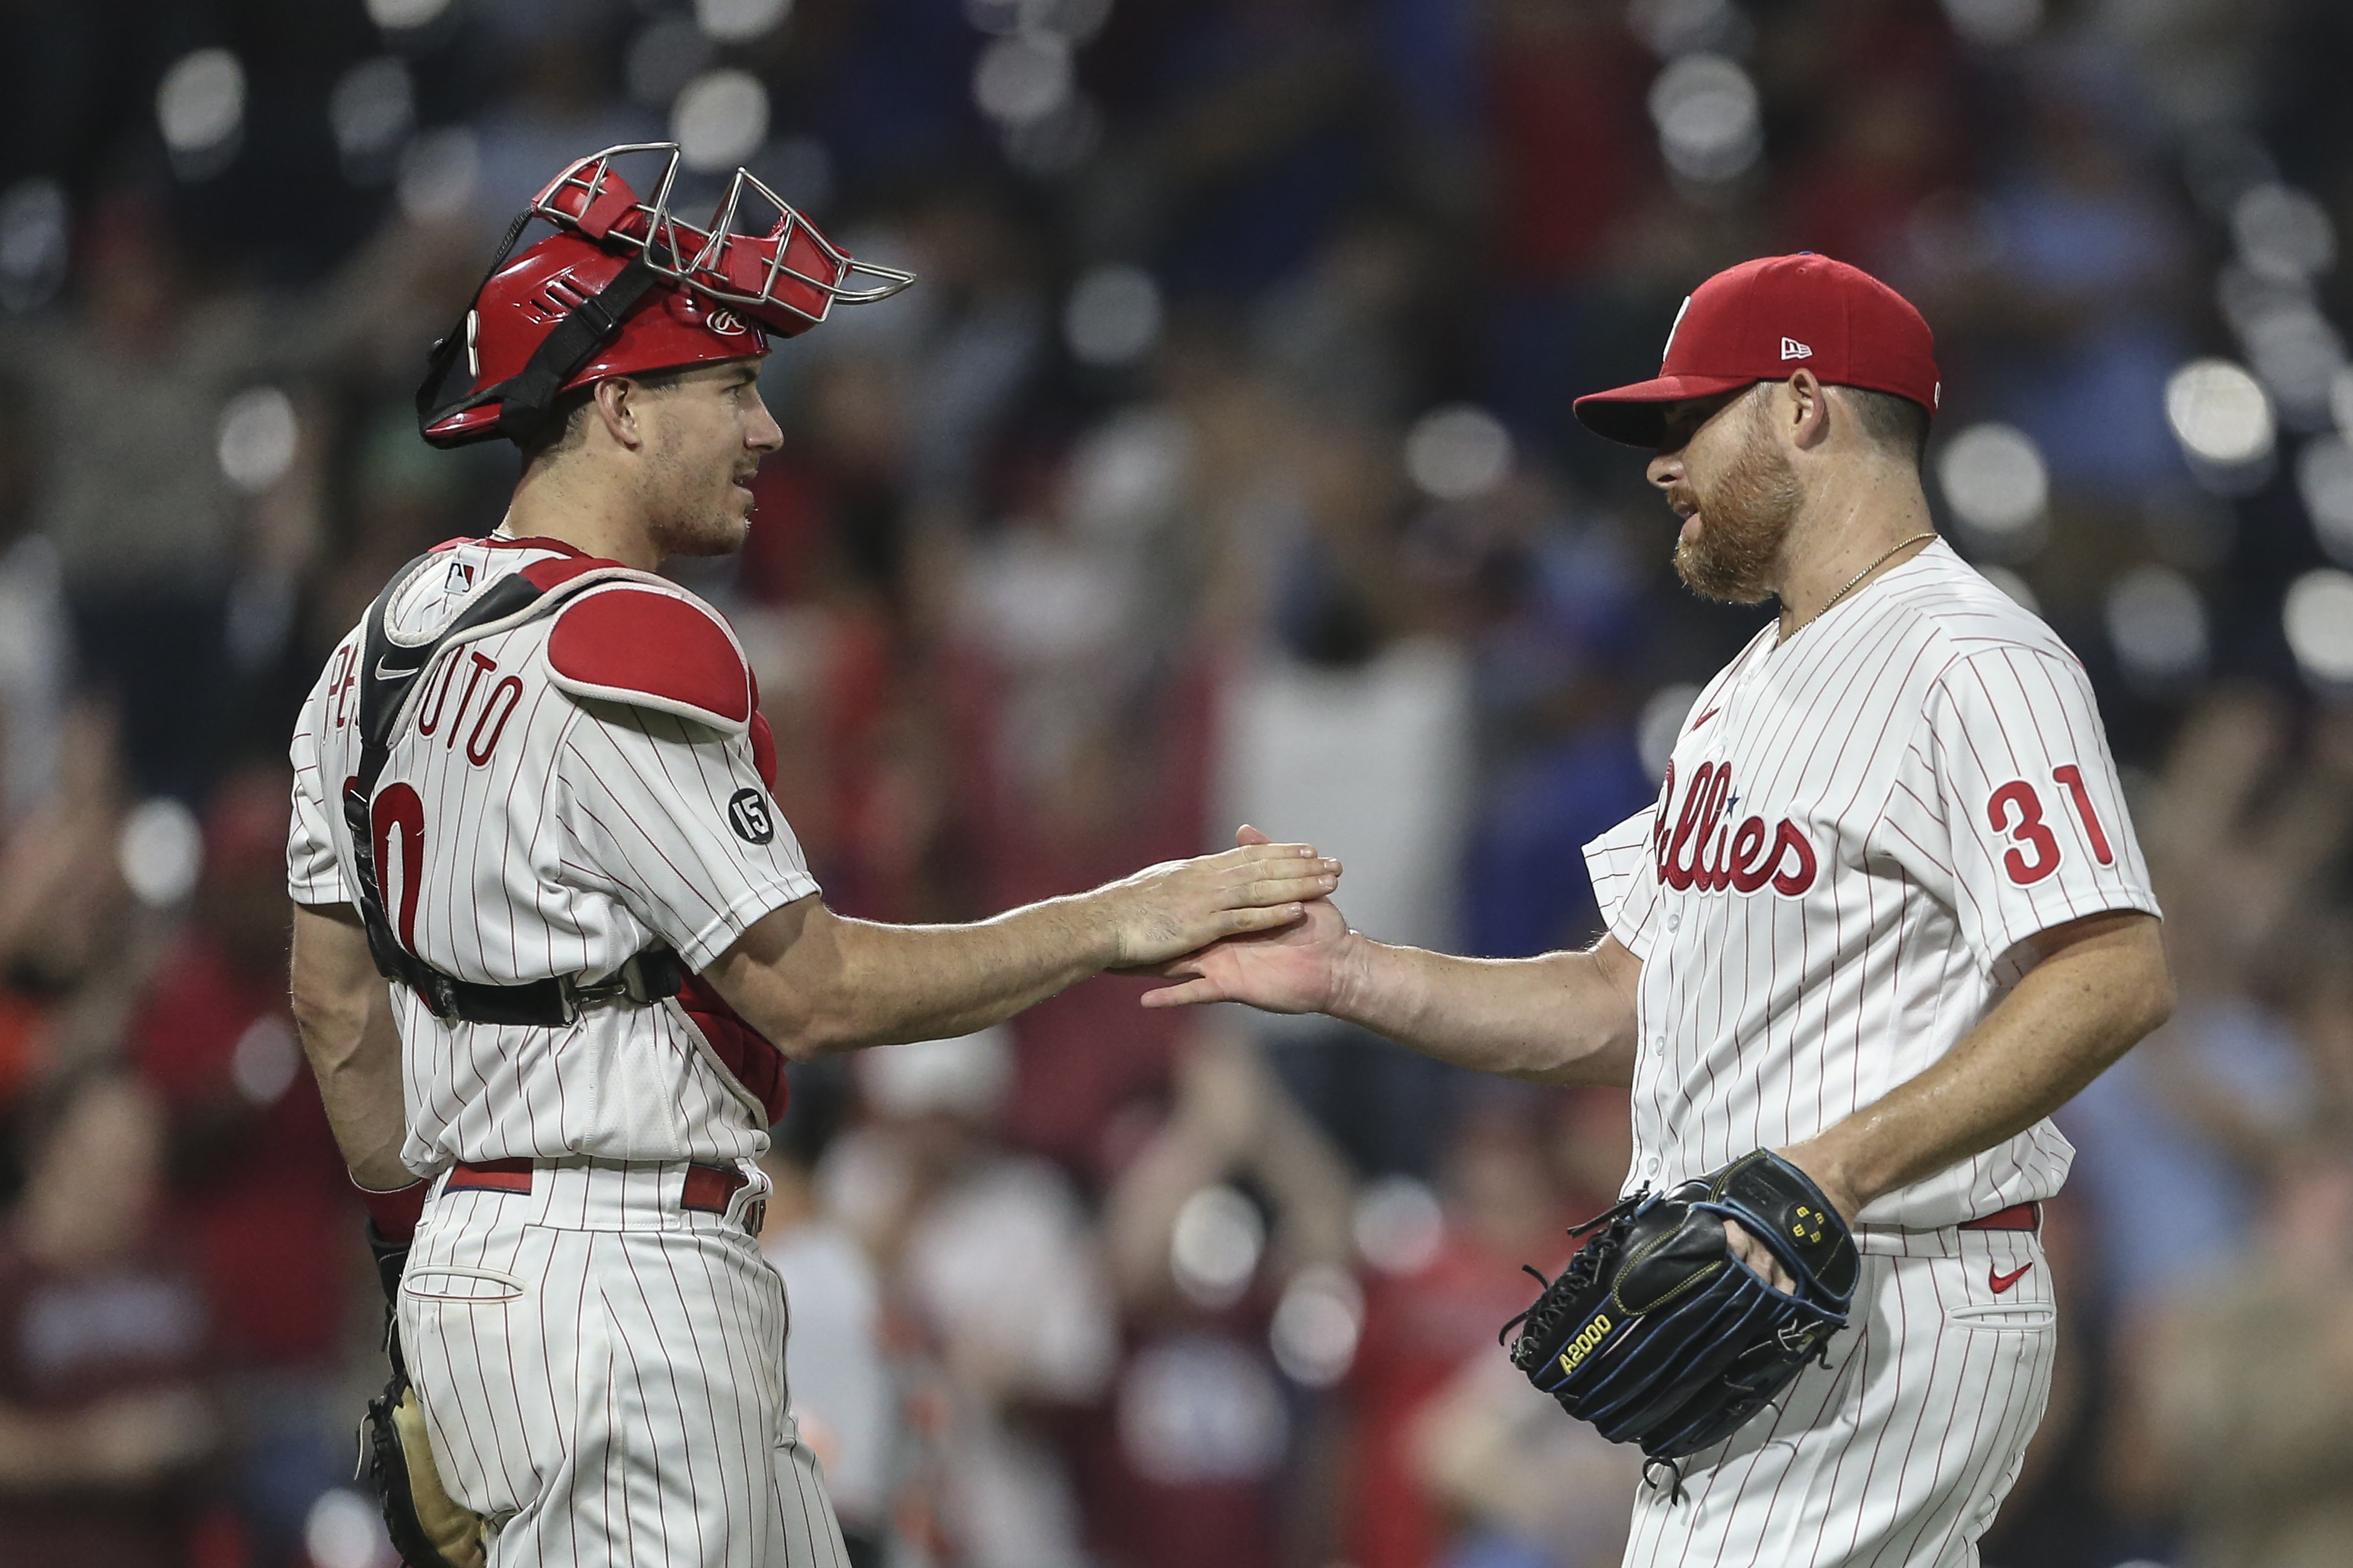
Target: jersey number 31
[(2016, 811)]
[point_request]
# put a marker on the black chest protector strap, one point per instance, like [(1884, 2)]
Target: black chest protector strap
[(388, 670)]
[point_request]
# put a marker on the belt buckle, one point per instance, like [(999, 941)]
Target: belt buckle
[(747, 1206), (440, 995)]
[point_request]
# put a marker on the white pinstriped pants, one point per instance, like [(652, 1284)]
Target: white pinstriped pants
[(603, 1375), (1899, 1452)]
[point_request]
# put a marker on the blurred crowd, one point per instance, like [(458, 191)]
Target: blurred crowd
[(1219, 469)]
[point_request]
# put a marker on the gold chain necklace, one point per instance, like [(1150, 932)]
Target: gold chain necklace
[(1859, 577)]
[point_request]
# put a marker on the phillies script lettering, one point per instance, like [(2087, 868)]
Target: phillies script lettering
[(1703, 849)]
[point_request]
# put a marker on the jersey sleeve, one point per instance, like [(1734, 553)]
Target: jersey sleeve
[(671, 816), (313, 874), (2007, 806), (1626, 880)]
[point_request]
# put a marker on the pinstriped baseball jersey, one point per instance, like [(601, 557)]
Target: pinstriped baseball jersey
[(523, 831), (1858, 830)]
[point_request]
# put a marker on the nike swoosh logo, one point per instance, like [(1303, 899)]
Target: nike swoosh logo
[(2001, 1282), (384, 672), (1703, 719)]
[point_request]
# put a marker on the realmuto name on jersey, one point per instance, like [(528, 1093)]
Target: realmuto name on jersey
[(1701, 846)]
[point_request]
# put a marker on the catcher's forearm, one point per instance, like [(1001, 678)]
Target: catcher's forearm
[(2100, 986), (1562, 1018), (344, 1014), (815, 983)]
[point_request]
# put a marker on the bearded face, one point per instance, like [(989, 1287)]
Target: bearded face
[(1744, 512)]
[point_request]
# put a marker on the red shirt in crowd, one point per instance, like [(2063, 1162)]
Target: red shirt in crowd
[(70, 1343), (259, 1191), (1419, 1329)]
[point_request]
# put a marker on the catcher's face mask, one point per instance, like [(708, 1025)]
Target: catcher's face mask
[(625, 285)]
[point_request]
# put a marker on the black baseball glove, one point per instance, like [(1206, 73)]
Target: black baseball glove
[(428, 1528), (1659, 1335)]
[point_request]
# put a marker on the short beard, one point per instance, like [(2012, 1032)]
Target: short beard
[(1744, 518)]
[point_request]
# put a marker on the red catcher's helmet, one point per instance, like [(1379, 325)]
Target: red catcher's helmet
[(624, 287)]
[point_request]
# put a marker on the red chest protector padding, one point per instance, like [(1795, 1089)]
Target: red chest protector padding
[(653, 649)]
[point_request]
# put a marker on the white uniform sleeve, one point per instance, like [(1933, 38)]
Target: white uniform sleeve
[(2007, 806), (672, 816), (313, 875), (1626, 880)]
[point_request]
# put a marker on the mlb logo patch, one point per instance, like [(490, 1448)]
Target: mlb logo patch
[(461, 578)]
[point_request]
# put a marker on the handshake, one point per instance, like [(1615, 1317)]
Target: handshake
[(1254, 924)]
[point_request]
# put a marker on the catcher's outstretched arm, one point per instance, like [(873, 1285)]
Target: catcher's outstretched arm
[(2101, 985), (815, 983), (345, 1015)]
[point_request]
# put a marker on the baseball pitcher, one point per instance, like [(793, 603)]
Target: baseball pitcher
[(1886, 916)]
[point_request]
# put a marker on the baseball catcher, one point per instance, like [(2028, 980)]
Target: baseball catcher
[(554, 941), (1661, 1333)]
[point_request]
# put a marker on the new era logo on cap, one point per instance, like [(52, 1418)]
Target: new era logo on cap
[(1793, 348)]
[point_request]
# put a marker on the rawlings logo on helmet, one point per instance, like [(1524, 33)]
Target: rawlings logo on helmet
[(574, 308)]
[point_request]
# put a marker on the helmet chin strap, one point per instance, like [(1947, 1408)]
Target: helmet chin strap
[(525, 398)]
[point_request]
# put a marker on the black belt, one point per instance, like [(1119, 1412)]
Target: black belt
[(647, 976)]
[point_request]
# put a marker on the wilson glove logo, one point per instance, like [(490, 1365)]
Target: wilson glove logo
[(1585, 1344)]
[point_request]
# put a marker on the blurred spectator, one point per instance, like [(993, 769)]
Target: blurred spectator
[(1551, 605), (1259, 126), (2088, 260), (558, 106), (995, 1264), (102, 1418), (1570, 160), (258, 1191), (61, 891), (2176, 1137), (132, 498), (844, 1395), (1346, 335), (1211, 1458), (1884, 151), (2253, 1384), (1429, 1424)]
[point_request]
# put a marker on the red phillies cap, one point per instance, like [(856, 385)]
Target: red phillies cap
[(1765, 319)]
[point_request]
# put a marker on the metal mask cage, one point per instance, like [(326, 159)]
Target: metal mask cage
[(722, 262)]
